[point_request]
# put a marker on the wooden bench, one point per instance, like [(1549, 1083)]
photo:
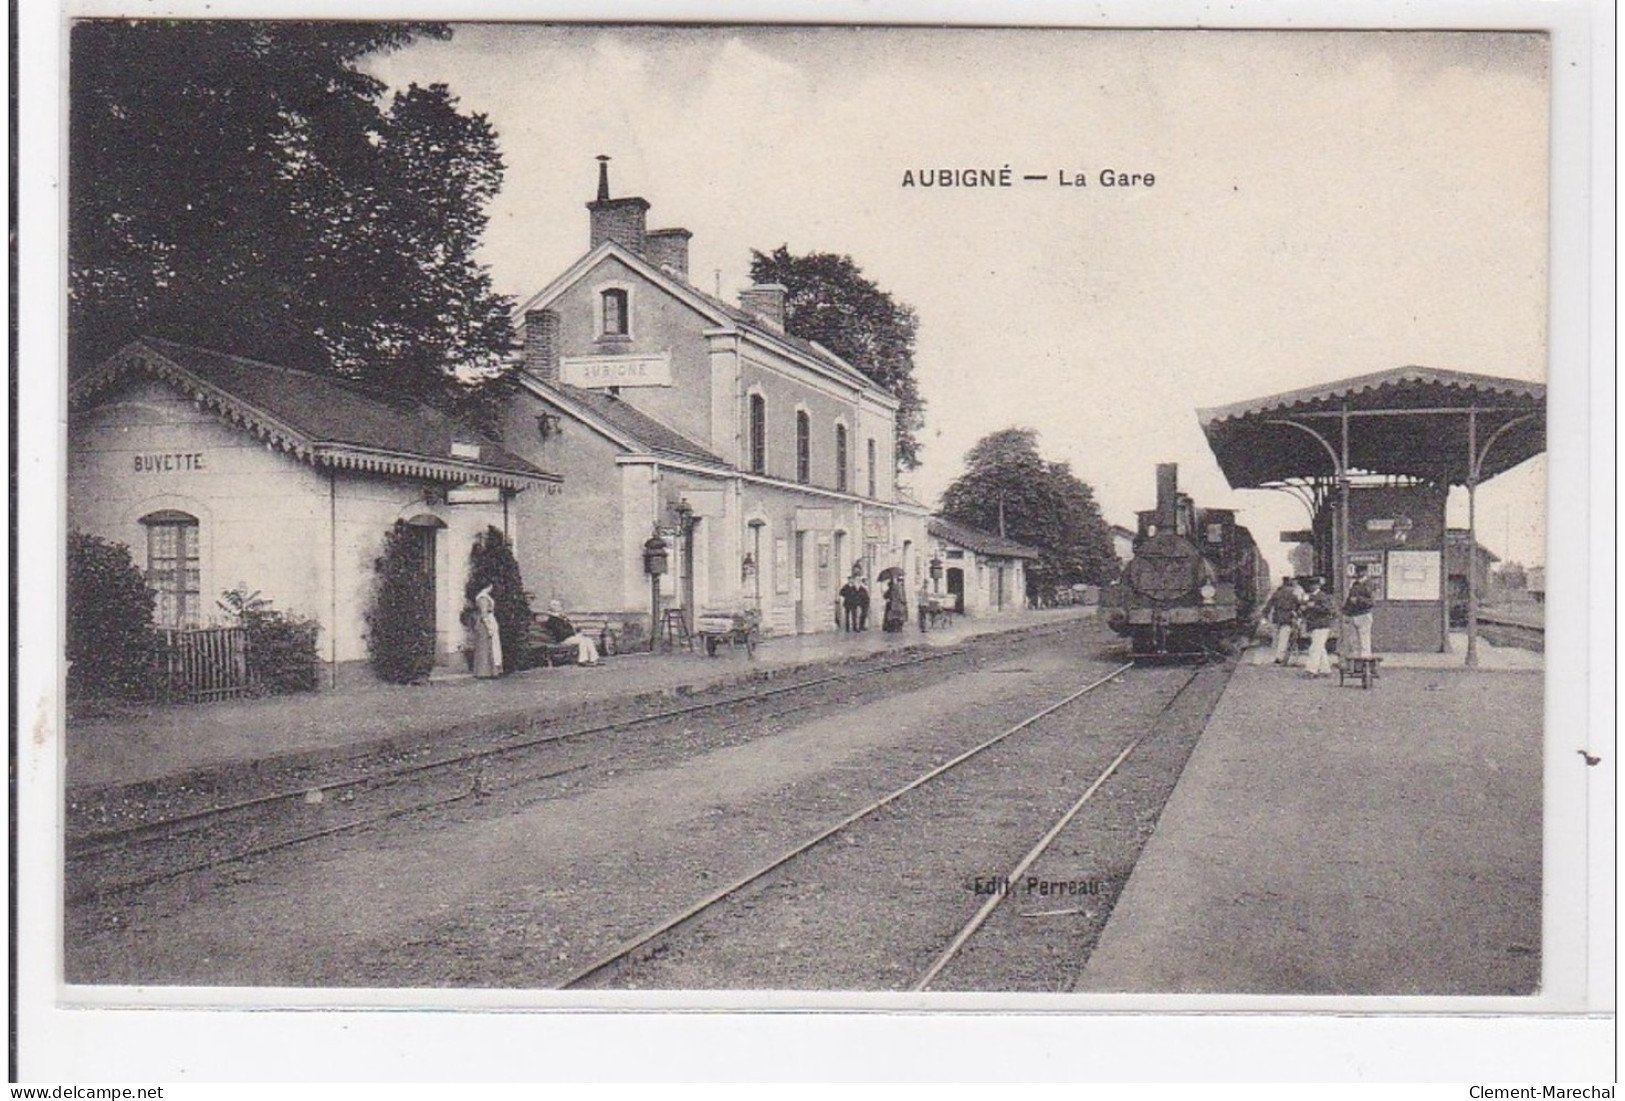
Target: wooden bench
[(605, 629)]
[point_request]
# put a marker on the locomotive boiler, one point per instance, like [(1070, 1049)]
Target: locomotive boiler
[(1196, 581)]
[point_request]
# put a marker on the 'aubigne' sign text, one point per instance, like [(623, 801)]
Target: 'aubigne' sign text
[(599, 371)]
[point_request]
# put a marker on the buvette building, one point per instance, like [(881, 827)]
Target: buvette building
[(766, 463), (219, 472)]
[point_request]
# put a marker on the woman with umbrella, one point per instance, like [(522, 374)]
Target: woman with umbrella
[(896, 602)]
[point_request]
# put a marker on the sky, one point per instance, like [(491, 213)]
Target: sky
[(1324, 205)]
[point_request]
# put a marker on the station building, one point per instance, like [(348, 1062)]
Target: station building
[(218, 472), (766, 463)]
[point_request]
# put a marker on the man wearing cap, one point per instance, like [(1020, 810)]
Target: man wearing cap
[(1283, 607), (1318, 613), (1357, 612)]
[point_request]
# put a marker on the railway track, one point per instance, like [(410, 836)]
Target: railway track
[(1511, 631), (110, 861), (652, 941)]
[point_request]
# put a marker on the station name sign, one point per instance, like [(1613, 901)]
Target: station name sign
[(600, 371)]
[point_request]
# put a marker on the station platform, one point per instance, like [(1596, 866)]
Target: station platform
[(1336, 840), (140, 743)]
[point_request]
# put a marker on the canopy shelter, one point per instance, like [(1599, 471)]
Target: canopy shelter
[(1411, 425)]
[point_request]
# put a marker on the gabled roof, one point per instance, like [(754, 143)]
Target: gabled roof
[(1407, 421), (715, 309), (982, 542), (321, 419), (631, 428)]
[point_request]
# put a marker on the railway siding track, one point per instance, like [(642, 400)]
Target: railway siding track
[(144, 850)]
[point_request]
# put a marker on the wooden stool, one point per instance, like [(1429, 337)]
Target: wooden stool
[(1363, 670), (674, 626)]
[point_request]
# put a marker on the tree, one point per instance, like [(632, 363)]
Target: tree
[(240, 185), (1042, 504), (829, 300), (109, 621), (492, 563)]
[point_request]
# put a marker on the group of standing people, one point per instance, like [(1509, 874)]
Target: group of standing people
[(855, 604), (1295, 609)]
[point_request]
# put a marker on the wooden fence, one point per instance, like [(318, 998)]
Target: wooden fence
[(209, 663)]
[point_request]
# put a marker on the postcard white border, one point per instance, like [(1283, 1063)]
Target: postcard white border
[(460, 1035)]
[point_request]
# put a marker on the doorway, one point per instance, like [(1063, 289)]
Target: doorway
[(420, 549), (956, 588), (800, 582)]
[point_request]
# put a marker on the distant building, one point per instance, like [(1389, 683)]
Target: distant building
[(218, 471), (766, 462), (985, 574), (1123, 542)]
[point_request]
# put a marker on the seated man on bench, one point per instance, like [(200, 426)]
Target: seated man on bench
[(561, 632)]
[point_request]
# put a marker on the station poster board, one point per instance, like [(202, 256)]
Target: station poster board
[(1413, 575)]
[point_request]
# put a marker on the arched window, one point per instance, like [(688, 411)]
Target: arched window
[(616, 319), (803, 447), (840, 457), (758, 434), (172, 568), (872, 476)]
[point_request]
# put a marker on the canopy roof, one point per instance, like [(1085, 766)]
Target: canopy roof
[(1409, 421)]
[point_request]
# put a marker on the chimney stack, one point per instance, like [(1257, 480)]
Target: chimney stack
[(542, 344), (766, 301), (623, 221), (668, 251), (1167, 496)]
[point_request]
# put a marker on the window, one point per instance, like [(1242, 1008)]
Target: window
[(803, 447), (840, 457), (172, 568), (616, 322), (758, 434), (872, 482)]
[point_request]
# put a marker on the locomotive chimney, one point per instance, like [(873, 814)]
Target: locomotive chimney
[(1167, 496)]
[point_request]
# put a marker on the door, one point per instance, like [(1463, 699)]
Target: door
[(800, 582), (419, 548), (956, 588)]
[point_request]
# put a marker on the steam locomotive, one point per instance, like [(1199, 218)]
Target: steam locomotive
[(1196, 582)]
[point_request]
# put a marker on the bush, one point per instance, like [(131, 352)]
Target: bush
[(109, 621), (400, 630), (281, 646), (492, 563)]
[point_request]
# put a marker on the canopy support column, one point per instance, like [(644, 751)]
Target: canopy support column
[(1342, 550), (1472, 539)]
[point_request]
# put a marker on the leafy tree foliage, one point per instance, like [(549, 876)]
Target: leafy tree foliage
[(109, 621), (241, 186), (281, 645), (400, 623), (492, 563), (1044, 505), (830, 301)]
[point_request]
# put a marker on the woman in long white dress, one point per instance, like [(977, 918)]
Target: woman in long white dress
[(487, 635)]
